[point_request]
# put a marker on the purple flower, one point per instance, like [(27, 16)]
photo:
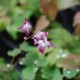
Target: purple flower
[(26, 27), (42, 44), (40, 39), (40, 35)]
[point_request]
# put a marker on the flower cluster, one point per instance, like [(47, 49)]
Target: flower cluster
[(40, 38)]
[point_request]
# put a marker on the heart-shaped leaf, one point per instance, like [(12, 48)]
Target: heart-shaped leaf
[(49, 8), (70, 62), (41, 24)]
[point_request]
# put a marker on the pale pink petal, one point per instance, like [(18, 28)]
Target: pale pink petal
[(49, 44), (43, 34), (28, 23), (40, 35), (33, 37), (35, 42)]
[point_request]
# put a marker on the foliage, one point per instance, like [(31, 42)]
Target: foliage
[(4, 69), (54, 64), (49, 64)]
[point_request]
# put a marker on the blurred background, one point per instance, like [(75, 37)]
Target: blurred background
[(21, 60)]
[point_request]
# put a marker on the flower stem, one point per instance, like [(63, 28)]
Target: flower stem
[(5, 78), (16, 62)]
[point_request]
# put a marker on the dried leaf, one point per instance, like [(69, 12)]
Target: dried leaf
[(41, 24), (76, 19), (70, 62), (77, 30), (74, 57), (49, 8), (77, 23)]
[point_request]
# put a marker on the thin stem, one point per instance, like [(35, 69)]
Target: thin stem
[(14, 59), (20, 49), (15, 56), (28, 37), (5, 78)]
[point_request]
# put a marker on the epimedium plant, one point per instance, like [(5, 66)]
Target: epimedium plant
[(16, 10), (47, 66), (39, 38), (55, 64)]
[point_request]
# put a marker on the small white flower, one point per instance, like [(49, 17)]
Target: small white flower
[(8, 65)]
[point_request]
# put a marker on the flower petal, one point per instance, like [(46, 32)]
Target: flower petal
[(49, 44), (25, 21), (35, 42), (41, 48), (40, 35), (46, 33), (27, 31)]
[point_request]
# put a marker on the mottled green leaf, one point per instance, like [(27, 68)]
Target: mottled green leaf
[(51, 73), (71, 62), (57, 75), (60, 37), (31, 5), (70, 73), (26, 47), (14, 52), (29, 73), (55, 55)]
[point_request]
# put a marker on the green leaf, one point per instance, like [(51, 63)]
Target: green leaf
[(30, 59), (14, 75), (64, 4), (29, 73), (12, 30), (57, 75), (70, 73), (55, 55), (55, 25), (47, 72), (30, 5), (1, 60), (51, 73), (4, 22), (34, 58), (60, 37), (14, 52), (26, 47), (41, 61), (2, 64)]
